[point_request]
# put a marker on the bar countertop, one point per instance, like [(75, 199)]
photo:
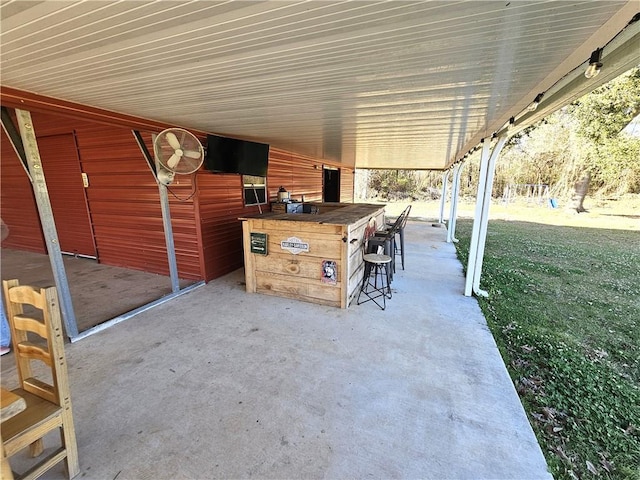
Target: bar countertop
[(336, 214)]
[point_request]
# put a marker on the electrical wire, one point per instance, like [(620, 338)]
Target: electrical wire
[(193, 191)]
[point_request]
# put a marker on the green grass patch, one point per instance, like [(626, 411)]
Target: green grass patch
[(564, 308)]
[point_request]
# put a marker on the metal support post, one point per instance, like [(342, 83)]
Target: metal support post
[(43, 203), (481, 218), (166, 220), (166, 212), (443, 198), (168, 235), (455, 194)]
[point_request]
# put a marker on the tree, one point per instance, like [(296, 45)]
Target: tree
[(603, 113), (601, 116), (582, 140), (404, 184), (393, 183)]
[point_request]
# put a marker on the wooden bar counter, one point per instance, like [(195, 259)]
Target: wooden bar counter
[(315, 257)]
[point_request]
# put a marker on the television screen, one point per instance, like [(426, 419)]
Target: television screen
[(229, 155)]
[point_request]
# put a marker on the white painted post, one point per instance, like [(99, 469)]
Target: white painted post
[(495, 154), (453, 211), (443, 198), (477, 218), (481, 220)]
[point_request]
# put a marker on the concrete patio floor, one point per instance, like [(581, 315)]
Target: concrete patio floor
[(219, 383), (98, 292)]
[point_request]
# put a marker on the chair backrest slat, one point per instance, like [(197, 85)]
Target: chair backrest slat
[(34, 352), (27, 294), (50, 351), (30, 325)]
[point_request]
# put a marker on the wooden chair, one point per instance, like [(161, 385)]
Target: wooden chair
[(47, 396)]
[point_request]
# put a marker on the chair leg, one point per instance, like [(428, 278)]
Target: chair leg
[(378, 269), (393, 256), (402, 246), (386, 269), (5, 472), (365, 279), (68, 439), (370, 286)]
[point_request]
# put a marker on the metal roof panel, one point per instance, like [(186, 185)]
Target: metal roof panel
[(373, 84)]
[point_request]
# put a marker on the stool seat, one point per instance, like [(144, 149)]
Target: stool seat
[(385, 240), (376, 264), (377, 258)]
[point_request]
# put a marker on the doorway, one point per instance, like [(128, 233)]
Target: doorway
[(331, 185)]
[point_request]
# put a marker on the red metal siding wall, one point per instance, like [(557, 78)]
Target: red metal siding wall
[(123, 200), (220, 204), (17, 203), (299, 175), (125, 205), (346, 185)]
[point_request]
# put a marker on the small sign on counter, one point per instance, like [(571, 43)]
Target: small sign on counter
[(294, 245), (259, 243), (329, 272)]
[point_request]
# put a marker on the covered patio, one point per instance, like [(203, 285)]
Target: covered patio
[(219, 383), (374, 85)]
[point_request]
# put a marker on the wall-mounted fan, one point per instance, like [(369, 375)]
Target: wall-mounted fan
[(177, 151)]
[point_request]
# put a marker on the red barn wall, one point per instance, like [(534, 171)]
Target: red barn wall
[(17, 203), (122, 197), (299, 175), (124, 205), (346, 185), (220, 204)]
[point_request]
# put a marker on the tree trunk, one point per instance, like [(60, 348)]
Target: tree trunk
[(580, 192)]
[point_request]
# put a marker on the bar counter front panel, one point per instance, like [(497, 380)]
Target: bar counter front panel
[(311, 257)]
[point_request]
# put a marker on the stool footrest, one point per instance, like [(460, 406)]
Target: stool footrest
[(375, 288)]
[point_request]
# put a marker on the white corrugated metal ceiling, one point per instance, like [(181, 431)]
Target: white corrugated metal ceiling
[(397, 84)]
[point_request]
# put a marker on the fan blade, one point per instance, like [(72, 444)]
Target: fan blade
[(173, 160), (192, 153), (173, 140)]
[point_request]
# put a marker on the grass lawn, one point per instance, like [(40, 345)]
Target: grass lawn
[(564, 308)]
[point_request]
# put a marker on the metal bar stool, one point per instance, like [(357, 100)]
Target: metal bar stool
[(398, 228), (400, 251), (376, 281), (387, 240)]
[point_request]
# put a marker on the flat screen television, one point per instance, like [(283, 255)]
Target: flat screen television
[(229, 155)]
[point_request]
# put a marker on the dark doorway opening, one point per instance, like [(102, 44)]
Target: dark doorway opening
[(331, 187)]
